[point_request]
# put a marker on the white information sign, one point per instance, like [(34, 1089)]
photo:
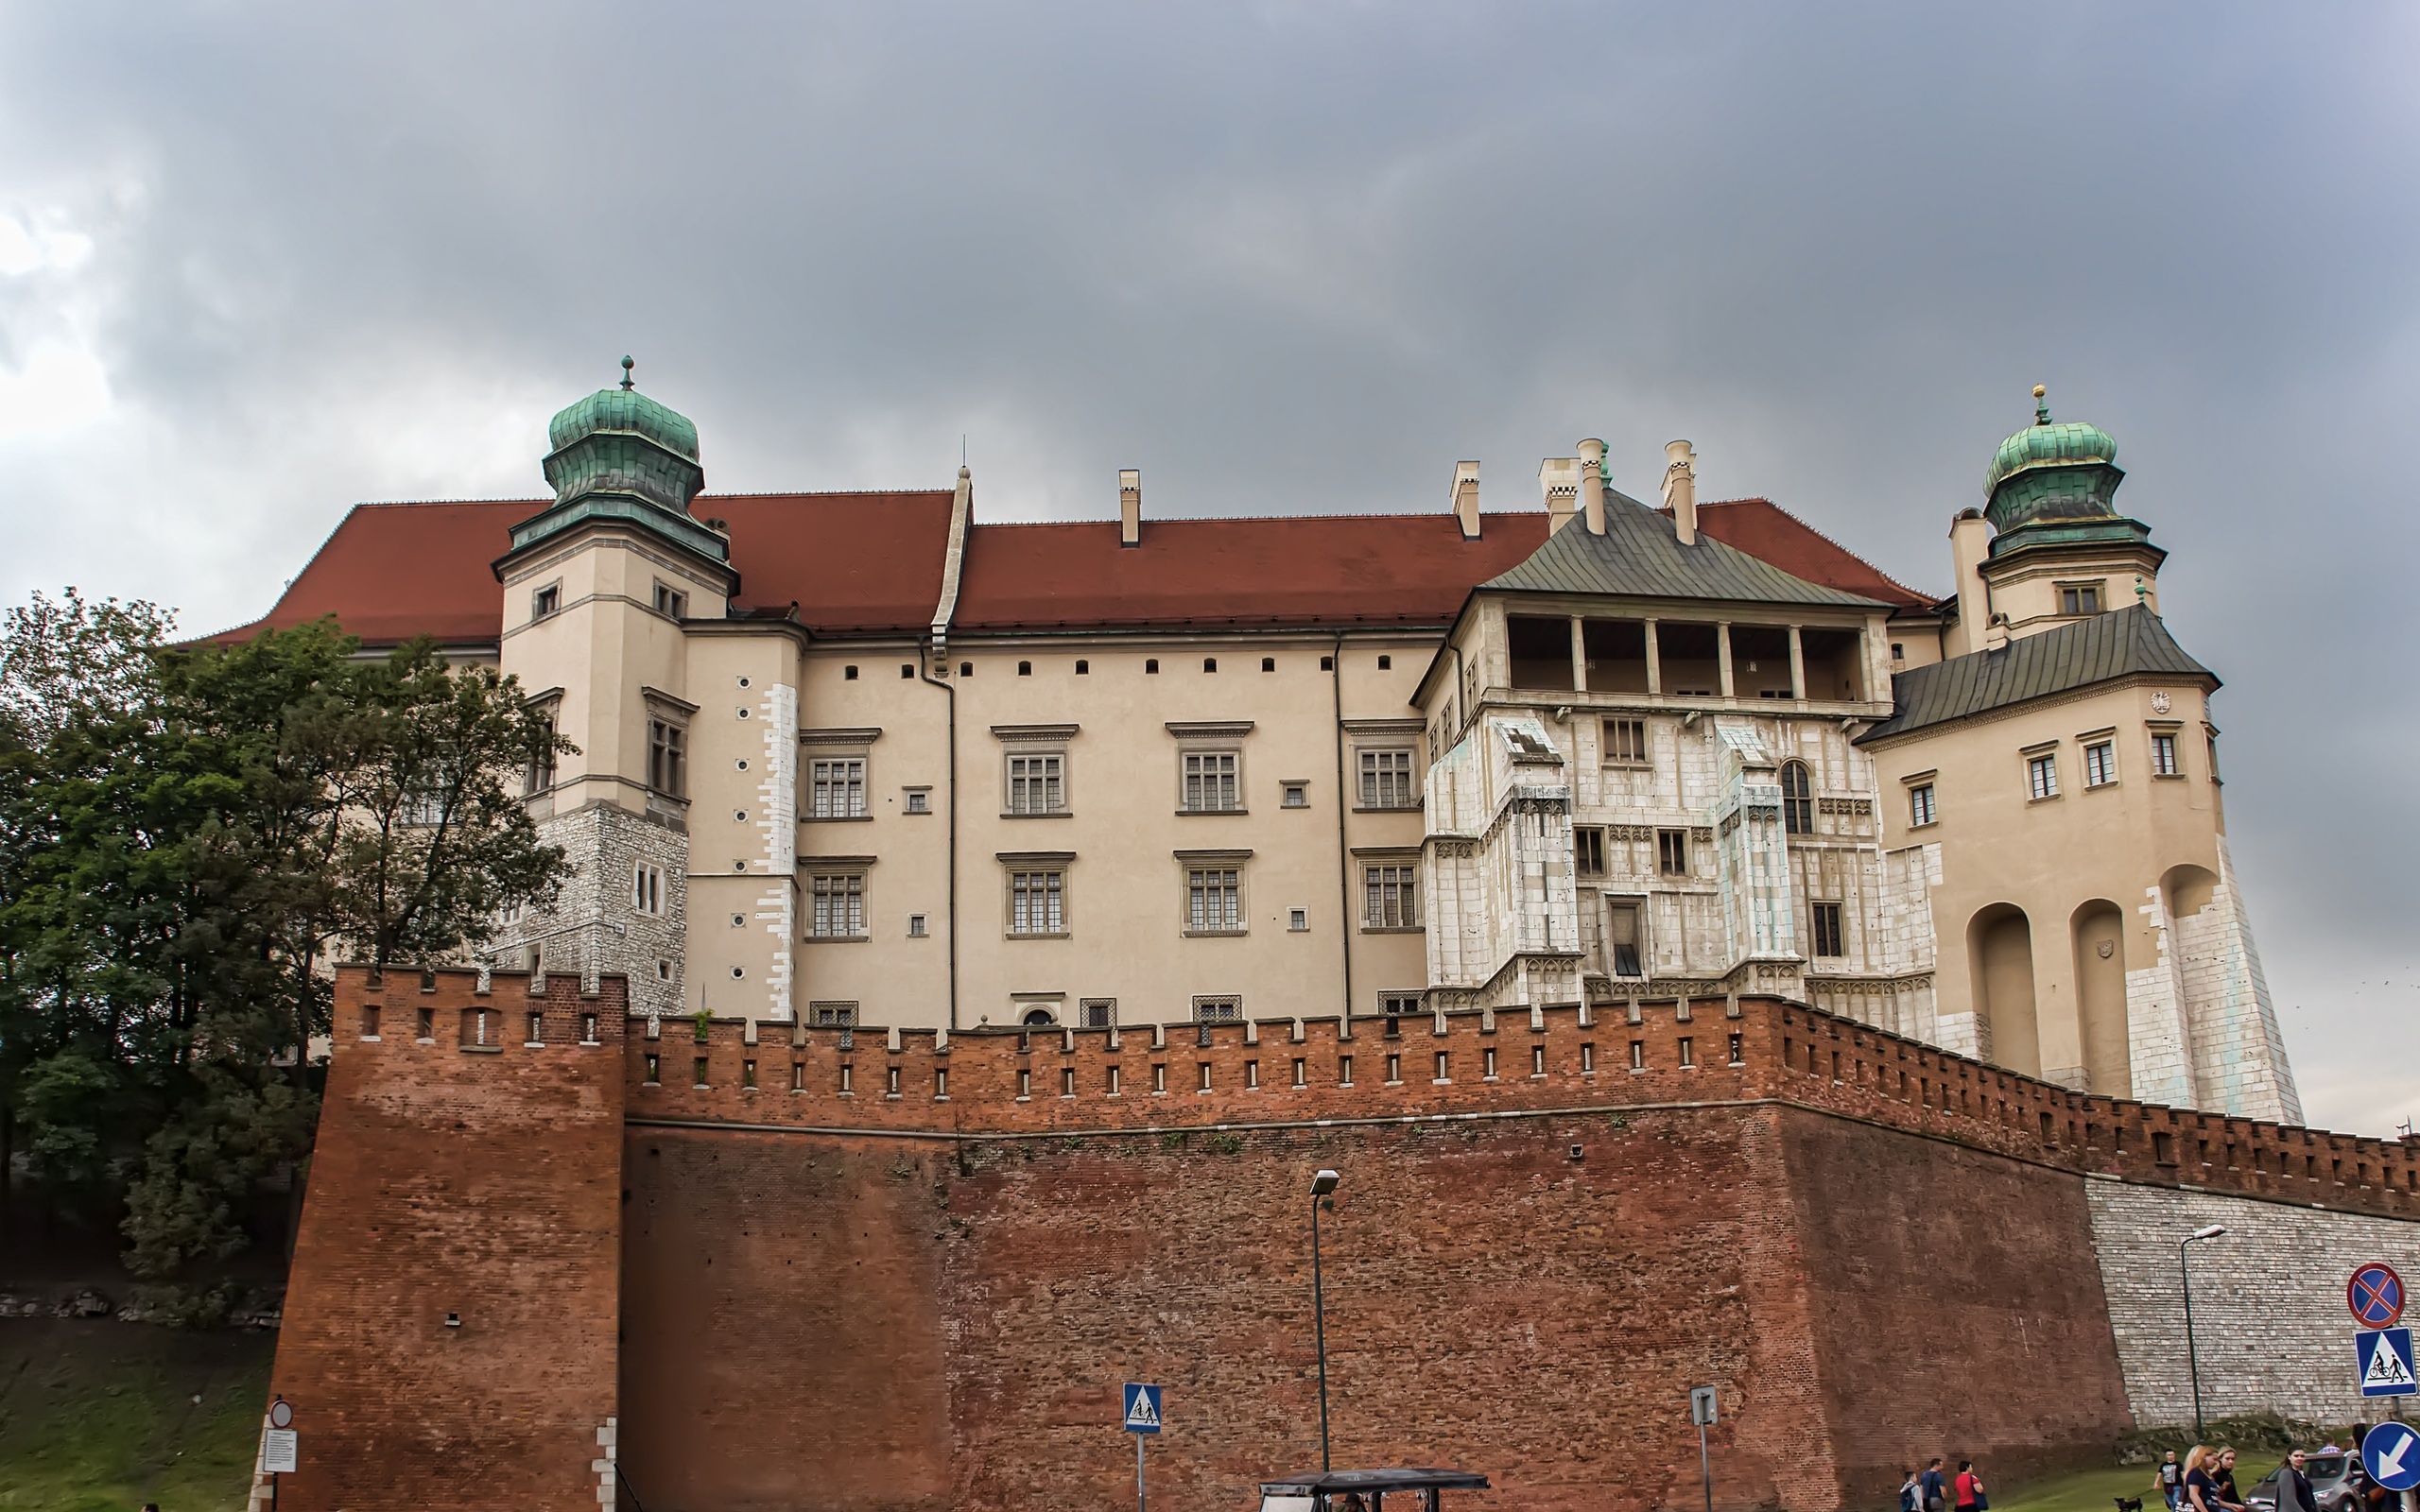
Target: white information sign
[(278, 1451)]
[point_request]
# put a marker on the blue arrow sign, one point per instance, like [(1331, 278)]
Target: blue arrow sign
[(2391, 1455), (1142, 1408), (2386, 1362)]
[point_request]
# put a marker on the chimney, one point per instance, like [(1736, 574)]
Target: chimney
[(1592, 485), (1130, 506), (1681, 490), (1558, 480), (1970, 543), (1466, 498)]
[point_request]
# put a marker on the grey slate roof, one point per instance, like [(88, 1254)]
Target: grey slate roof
[(1639, 557), (2076, 655)]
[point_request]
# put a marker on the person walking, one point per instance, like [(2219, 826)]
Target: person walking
[(1911, 1492), (2170, 1481), (2201, 1487), (1935, 1501), (2294, 1492), (2228, 1496), (1970, 1489)]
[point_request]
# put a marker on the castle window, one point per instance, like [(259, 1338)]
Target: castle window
[(545, 601), (1212, 898), (1037, 905), (1621, 940), (1083, 668), (2041, 777), (1740, 1055), (848, 1079), (1588, 851), (1797, 800), (1217, 1010), (1159, 1076), (1385, 779), (1111, 1087), (920, 800), (1201, 1082), (1920, 806), (2100, 765), (1066, 1081), (2210, 751), (667, 758), (369, 1020), (1625, 743), (674, 604), (1298, 920), (916, 926), (1587, 1060), (1298, 795), (837, 788), (748, 1075), (798, 1076), (1151, 664), (1209, 664), (1386, 663), (1037, 784), (1825, 920), (1252, 1076), (908, 669), (697, 1071), (1301, 1071), (1344, 1071), (1688, 1053), (1025, 669), (647, 889), (428, 1026), (1397, 1006), (1389, 898), (966, 669), (1638, 1054), (1442, 1076), (540, 774), (2164, 762), (831, 1016), (1269, 664), (2080, 598), (1537, 1061), (838, 905), (1098, 1013), (1212, 782), (1672, 852), (654, 1070), (588, 1028), (1038, 1018), (1394, 1070), (848, 674), (1327, 664), (1025, 1085)]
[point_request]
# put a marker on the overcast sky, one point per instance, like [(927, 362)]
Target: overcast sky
[(260, 262)]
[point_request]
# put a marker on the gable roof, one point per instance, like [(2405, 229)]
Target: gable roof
[(1640, 556), (2120, 644), (1768, 532)]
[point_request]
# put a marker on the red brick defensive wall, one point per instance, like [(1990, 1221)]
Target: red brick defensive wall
[(863, 1269)]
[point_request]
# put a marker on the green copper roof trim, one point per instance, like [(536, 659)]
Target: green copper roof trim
[(2052, 532), (620, 455), (679, 529)]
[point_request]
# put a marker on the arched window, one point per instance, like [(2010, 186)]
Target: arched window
[(1797, 800), (1037, 1018)]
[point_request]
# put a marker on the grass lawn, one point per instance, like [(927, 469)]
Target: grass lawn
[(100, 1415), (2097, 1490)]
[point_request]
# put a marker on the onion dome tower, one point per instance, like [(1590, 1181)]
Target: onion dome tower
[(2051, 487), (619, 456)]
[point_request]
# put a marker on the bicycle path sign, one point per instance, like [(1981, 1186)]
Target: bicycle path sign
[(2376, 1295)]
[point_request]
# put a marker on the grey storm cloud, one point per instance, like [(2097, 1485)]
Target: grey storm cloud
[(259, 261)]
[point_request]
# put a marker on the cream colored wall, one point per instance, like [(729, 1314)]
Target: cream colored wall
[(2027, 591), (2054, 857)]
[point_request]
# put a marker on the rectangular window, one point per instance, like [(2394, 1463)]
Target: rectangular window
[(1638, 1054), (1825, 920), (1298, 795), (1159, 1076), (1112, 1082), (1036, 785), (1537, 1061), (697, 1071), (654, 1070), (798, 1076), (1344, 1071), (1098, 1013), (1036, 902), (1385, 779), (1217, 1010), (748, 1075), (2041, 777), (890, 1081), (1301, 1071), (919, 801), (1394, 1069), (1252, 1076), (1442, 1074), (665, 757), (1398, 1005), (1688, 1052), (647, 888), (1920, 805), (1625, 743), (831, 1016), (537, 1027), (671, 601), (369, 1020), (2164, 756), (1389, 898), (1213, 899), (1588, 851), (916, 929), (1202, 1070), (838, 906), (848, 1079), (1672, 852), (1210, 783), (837, 788), (1587, 1057), (540, 775), (1621, 940), (1298, 919), (545, 601), (1066, 1081), (2100, 765), (1740, 1051), (421, 808), (2085, 599)]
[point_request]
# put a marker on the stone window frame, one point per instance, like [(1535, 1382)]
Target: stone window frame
[(1385, 737), (813, 870), (1928, 784), (669, 601), (1664, 852), (1212, 737), (1291, 789), (2041, 771), (1217, 1007), (647, 888), (2097, 587), (837, 745), (1815, 941), (1190, 862), (1403, 858), (2174, 731), (547, 706), (673, 714), (1034, 862), (1025, 742), (1607, 740), (2103, 740), (547, 599), (1641, 916)]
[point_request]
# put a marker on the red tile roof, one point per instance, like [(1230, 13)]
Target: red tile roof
[(1767, 531), (1315, 570), (860, 563)]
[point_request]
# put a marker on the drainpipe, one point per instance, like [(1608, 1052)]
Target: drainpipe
[(1343, 853), (924, 672), (936, 649)]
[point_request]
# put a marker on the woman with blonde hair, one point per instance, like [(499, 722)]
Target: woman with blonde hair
[(2201, 1487)]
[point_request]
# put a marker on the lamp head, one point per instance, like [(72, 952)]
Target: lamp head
[(1324, 1183), (2211, 1233)]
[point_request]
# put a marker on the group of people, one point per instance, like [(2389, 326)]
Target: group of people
[(1931, 1491), (2205, 1483)]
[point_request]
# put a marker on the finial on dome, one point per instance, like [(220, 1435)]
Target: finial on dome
[(627, 386), (2041, 402)]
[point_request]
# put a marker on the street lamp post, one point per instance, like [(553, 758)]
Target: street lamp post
[(1321, 1185), (2192, 1356)]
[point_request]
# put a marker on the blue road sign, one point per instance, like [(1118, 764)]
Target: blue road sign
[(2391, 1455), (2386, 1362), (2376, 1295), (1142, 1408)]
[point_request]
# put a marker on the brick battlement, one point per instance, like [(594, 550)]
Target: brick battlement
[(1062, 1082)]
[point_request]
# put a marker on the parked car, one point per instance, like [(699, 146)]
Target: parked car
[(2334, 1482)]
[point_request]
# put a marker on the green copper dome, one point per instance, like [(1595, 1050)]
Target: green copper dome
[(2049, 443), (2051, 469), (619, 454)]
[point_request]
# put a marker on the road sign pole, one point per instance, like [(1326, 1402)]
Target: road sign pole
[(1705, 1469), (1138, 1472)]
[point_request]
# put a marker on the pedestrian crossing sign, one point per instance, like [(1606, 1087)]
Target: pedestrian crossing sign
[(1142, 1408), (2386, 1362)]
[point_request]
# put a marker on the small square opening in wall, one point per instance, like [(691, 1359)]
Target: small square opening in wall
[(916, 928), (1150, 664), (1025, 669), (908, 669), (1298, 795), (1269, 664), (1298, 920), (1327, 664), (1083, 668), (1386, 663), (849, 674)]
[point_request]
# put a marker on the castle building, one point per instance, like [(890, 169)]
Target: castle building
[(852, 758)]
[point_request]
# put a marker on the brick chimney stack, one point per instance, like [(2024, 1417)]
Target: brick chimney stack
[(1681, 490), (1592, 485), (1466, 498), (1130, 506)]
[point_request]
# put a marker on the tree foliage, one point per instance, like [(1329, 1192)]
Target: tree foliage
[(188, 835)]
